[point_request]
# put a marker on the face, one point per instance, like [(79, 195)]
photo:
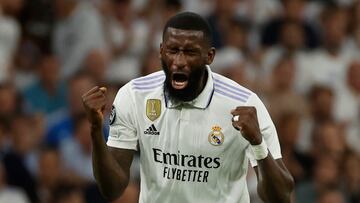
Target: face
[(326, 172), (96, 64), (322, 105), (294, 8), (7, 100), (283, 74), (335, 29), (49, 70), (292, 36), (353, 76), (49, 167), (184, 56)]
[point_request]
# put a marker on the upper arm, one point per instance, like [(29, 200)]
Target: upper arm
[(123, 158), (123, 127)]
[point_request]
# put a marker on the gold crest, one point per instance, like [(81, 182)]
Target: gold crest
[(216, 137), (153, 109)]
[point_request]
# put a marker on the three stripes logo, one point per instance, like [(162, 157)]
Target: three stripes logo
[(151, 130)]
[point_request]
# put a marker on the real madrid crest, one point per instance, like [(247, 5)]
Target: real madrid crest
[(216, 137), (153, 109)]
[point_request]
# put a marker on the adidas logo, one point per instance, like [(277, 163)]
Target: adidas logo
[(151, 131)]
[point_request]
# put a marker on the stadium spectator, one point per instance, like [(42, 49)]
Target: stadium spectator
[(293, 10), (326, 174), (299, 164), (321, 109), (37, 19), (328, 140), (76, 151), (327, 65), (78, 30), (347, 105), (161, 13), (96, 65), (351, 175), (291, 42), (219, 20), (331, 195), (67, 193), (49, 175), (19, 159), (9, 103), (279, 90), (10, 32), (63, 124), (47, 94), (9, 193), (127, 38)]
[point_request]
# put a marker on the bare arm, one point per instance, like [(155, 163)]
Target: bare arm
[(275, 183), (110, 165)]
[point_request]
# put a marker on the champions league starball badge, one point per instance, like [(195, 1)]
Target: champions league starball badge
[(216, 137), (153, 109), (112, 115)]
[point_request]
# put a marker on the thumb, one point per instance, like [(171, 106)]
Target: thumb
[(103, 90)]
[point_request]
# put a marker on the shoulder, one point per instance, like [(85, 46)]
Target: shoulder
[(231, 89), (147, 83), (142, 86)]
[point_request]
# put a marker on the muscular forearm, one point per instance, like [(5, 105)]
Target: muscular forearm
[(275, 183), (110, 177)]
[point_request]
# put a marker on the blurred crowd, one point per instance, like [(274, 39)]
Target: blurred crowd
[(302, 57)]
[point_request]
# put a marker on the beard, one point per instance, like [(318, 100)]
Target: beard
[(191, 91)]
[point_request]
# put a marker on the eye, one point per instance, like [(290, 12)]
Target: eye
[(172, 50), (191, 52)]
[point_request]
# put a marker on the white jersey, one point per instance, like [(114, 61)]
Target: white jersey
[(189, 152)]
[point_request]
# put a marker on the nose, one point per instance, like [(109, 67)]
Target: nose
[(179, 60)]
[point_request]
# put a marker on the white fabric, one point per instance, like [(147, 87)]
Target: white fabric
[(76, 35), (127, 65), (181, 147), (320, 68), (9, 37), (260, 151), (12, 195)]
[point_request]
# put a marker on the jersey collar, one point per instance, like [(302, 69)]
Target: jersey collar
[(202, 101)]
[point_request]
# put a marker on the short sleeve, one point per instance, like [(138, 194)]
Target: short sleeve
[(122, 133), (267, 129)]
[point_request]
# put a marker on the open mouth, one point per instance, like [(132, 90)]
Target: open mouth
[(179, 80)]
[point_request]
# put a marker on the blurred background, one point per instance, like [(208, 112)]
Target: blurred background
[(302, 57)]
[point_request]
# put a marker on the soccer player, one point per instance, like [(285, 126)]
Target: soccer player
[(196, 130)]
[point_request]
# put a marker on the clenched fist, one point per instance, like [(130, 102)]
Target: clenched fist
[(94, 102), (245, 120)]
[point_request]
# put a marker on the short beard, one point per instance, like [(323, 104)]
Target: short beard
[(191, 91)]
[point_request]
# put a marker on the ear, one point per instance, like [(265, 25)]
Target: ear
[(210, 55)]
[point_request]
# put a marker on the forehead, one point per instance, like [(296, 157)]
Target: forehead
[(184, 37)]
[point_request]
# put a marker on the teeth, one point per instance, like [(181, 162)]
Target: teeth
[(179, 83)]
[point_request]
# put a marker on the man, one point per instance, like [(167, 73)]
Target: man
[(184, 120), (78, 30)]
